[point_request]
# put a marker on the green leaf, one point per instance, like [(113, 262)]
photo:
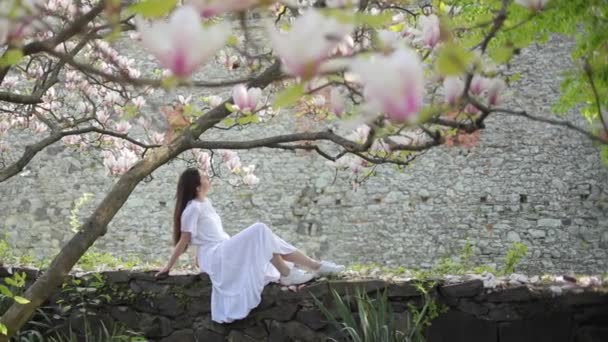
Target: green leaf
[(152, 8), (501, 54), (230, 107), (232, 40), (5, 291), (247, 119), (453, 60), (397, 27), (11, 57), (10, 282), (374, 20), (288, 96), (3, 329), (228, 122), (604, 155), (21, 300), (130, 112), (169, 82)]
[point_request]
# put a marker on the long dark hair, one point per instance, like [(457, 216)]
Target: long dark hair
[(189, 180)]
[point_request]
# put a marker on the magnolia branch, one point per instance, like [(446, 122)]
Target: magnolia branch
[(75, 28), (554, 122), (32, 150), (589, 74)]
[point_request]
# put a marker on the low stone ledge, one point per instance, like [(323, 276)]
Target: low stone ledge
[(177, 308)]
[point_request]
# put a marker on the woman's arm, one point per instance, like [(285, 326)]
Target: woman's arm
[(178, 250)]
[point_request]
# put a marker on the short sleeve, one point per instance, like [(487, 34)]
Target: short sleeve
[(189, 219)]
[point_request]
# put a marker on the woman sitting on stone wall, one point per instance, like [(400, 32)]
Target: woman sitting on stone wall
[(240, 266)]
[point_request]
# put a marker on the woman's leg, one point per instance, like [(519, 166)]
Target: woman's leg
[(302, 259), (278, 262)]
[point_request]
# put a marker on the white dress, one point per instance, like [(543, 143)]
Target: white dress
[(239, 266)]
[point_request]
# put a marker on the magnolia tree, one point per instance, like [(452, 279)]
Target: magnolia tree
[(402, 76)]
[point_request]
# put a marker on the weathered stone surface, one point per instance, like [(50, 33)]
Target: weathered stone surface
[(237, 336), (468, 289), (155, 326), (281, 313), (457, 326), (169, 305), (127, 316), (551, 328), (313, 318), (293, 331), (208, 336), (185, 335), (295, 317), (512, 294)]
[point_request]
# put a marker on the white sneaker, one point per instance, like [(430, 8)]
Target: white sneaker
[(328, 267), (296, 277)]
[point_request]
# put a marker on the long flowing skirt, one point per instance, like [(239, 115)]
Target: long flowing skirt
[(239, 269)]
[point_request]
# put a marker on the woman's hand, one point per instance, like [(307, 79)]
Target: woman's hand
[(163, 272)]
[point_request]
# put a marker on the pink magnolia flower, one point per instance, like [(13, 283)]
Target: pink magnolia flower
[(121, 164), (4, 126), (234, 164), (139, 102), (111, 98), (249, 168), (497, 85), (388, 40), (215, 100), (226, 155), (210, 8), (478, 85), (429, 26), (336, 101), (122, 127), (346, 47), (39, 127), (102, 116), (246, 100), (251, 179), (308, 43), (143, 122), (318, 100), (203, 159), (393, 84), (182, 44), (534, 5), (158, 138), (453, 88), (471, 109)]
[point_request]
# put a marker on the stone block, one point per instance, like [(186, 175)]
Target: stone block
[(155, 326), (455, 326), (185, 335), (467, 289), (548, 328), (168, 305), (204, 335), (513, 294), (312, 318)]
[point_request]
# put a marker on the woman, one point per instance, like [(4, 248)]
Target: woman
[(239, 266)]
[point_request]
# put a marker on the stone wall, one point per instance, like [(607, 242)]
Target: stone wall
[(523, 182), (177, 309)]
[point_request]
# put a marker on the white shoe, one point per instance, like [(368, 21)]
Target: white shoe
[(296, 277), (328, 267)]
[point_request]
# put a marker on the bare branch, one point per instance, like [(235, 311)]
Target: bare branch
[(18, 98)]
